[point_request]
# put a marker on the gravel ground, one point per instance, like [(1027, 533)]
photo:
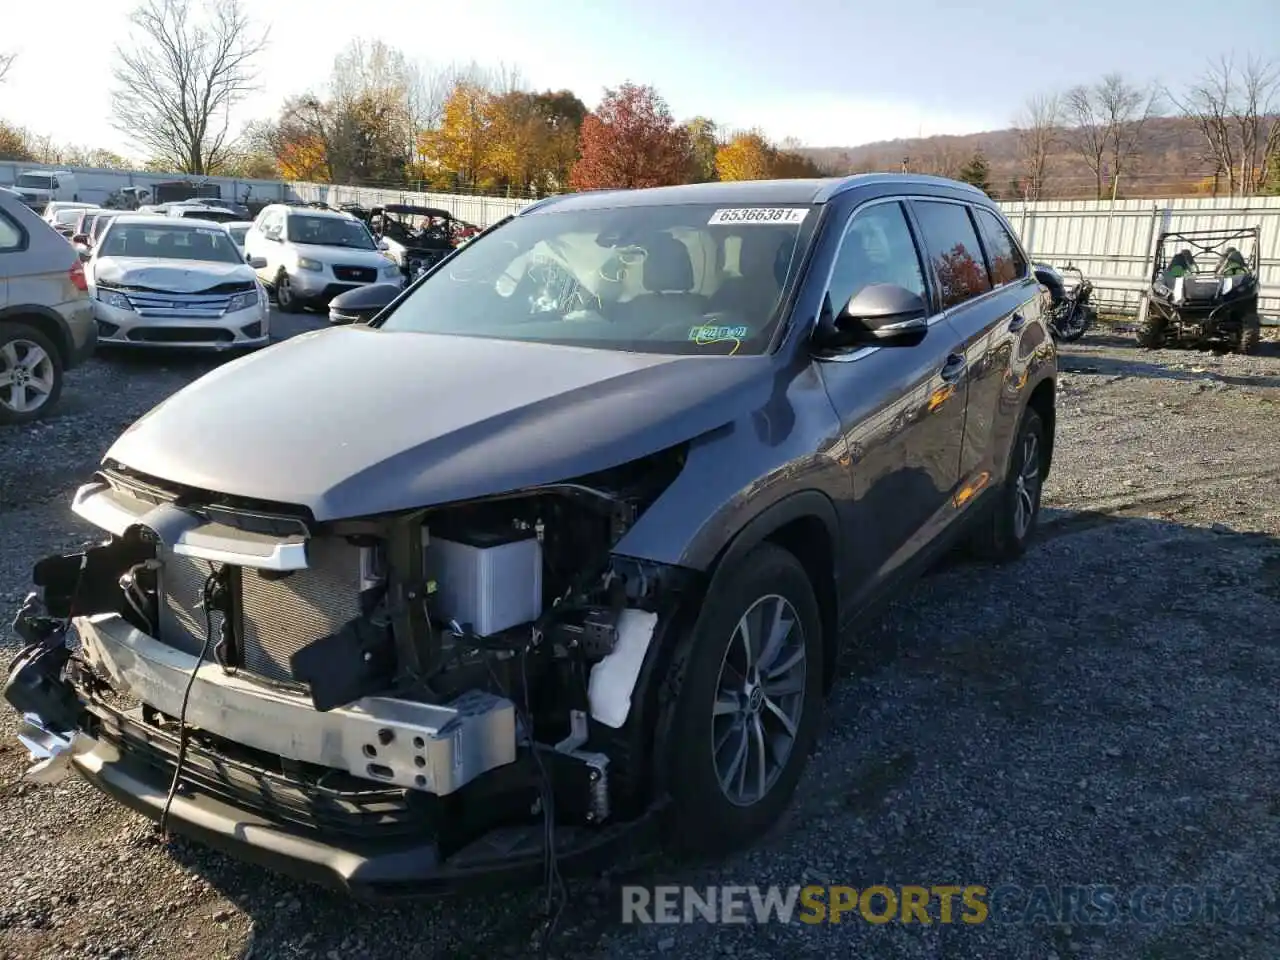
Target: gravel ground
[(1097, 714)]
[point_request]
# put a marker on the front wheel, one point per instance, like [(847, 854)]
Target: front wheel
[(748, 708)]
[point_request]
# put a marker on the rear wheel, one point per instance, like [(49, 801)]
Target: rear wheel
[(1250, 334), (30, 374), (750, 678), (1006, 531), (1151, 326)]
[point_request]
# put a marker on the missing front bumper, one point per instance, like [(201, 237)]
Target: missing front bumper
[(432, 748)]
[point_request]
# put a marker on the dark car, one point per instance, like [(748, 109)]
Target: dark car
[(363, 303), (576, 556)]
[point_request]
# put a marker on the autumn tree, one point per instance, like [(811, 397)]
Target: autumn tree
[(746, 156), (358, 130), (703, 147), (631, 141), (465, 142), (175, 87), (790, 164), (1038, 135), (1106, 124), (1234, 108), (13, 144)]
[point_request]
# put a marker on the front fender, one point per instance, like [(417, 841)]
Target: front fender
[(789, 449)]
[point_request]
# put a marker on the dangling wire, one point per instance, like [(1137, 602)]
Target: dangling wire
[(183, 733)]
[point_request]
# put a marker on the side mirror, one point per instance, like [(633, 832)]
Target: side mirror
[(880, 315), (80, 238), (256, 262), (382, 244)]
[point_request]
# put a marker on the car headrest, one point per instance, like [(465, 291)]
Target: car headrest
[(667, 266)]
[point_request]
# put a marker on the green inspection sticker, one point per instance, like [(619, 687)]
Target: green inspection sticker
[(714, 334)]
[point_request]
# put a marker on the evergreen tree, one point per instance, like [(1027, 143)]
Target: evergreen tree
[(976, 172)]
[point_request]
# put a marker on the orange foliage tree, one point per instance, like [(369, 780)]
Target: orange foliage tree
[(747, 156), (752, 156), (631, 141)]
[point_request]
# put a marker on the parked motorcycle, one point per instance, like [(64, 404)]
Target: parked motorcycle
[(1070, 312)]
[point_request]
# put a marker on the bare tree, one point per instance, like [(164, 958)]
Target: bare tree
[(942, 158), (1107, 122), (1087, 133), (175, 88), (1038, 135), (6, 61), (1234, 107)]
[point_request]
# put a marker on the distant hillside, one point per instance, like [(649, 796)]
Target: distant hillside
[(1171, 163)]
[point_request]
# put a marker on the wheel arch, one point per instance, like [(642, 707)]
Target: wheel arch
[(1043, 400), (45, 320), (807, 526)]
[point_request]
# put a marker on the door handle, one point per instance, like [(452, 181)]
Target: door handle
[(1017, 322), (954, 368)]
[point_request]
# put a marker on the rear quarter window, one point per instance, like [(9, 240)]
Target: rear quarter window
[(12, 236), (1003, 256)]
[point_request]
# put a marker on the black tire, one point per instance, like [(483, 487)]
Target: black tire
[(285, 300), (1001, 537), (16, 340), (1073, 333), (1151, 326), (1250, 334), (704, 820)]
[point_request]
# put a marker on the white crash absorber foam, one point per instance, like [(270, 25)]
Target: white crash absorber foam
[(614, 678)]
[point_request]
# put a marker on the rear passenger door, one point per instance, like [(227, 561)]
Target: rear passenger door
[(985, 316)]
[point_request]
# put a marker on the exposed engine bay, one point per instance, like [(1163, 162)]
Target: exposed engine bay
[(365, 677)]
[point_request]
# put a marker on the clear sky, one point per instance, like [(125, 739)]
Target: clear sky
[(830, 72)]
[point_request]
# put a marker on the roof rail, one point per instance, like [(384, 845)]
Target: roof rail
[(845, 184)]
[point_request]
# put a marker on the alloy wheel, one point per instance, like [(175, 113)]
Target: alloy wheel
[(759, 700), (1027, 486), (27, 376)]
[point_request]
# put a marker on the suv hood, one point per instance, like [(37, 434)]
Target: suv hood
[(356, 421), (171, 276)]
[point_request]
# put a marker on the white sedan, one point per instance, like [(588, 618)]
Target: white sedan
[(162, 281)]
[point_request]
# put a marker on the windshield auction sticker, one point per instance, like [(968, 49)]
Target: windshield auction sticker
[(784, 215)]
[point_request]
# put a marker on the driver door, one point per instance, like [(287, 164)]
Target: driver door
[(901, 408)]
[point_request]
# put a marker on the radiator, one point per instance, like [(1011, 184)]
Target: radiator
[(274, 618)]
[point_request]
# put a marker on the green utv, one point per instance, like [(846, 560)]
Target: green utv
[(1204, 298)]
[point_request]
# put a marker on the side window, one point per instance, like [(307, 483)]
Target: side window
[(877, 247), (1006, 261), (11, 236), (953, 246)]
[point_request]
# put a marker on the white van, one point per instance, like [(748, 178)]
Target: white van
[(38, 187)]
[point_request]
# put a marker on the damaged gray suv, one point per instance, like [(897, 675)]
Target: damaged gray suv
[(574, 552)]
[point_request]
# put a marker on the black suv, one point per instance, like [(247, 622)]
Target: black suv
[(579, 545)]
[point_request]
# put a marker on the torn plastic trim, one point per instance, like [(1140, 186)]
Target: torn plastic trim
[(52, 750), (187, 533), (429, 747)]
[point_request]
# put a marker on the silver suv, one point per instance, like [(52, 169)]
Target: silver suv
[(308, 256), (46, 321)]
